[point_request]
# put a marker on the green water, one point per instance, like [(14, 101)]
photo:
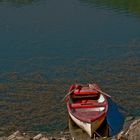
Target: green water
[(132, 7)]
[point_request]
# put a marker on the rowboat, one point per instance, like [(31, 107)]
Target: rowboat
[(87, 106)]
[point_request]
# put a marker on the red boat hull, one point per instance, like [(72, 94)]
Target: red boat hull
[(88, 111)]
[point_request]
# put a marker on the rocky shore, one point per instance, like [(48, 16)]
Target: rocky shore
[(131, 131)]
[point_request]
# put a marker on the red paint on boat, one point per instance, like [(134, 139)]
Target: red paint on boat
[(83, 99)]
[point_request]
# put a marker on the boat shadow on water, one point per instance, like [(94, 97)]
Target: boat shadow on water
[(112, 125)]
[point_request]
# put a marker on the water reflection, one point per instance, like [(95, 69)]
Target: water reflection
[(130, 6), (115, 118)]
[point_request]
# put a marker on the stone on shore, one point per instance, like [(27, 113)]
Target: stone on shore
[(44, 138), (38, 137), (14, 135), (131, 133)]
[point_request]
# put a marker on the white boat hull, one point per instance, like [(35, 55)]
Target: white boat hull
[(90, 128)]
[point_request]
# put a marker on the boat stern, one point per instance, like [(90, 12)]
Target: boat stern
[(89, 127)]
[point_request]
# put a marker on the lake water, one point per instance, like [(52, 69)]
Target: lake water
[(47, 45)]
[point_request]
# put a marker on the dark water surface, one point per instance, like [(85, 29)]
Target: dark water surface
[(47, 45)]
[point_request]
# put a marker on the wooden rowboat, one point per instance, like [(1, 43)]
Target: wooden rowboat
[(87, 107)]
